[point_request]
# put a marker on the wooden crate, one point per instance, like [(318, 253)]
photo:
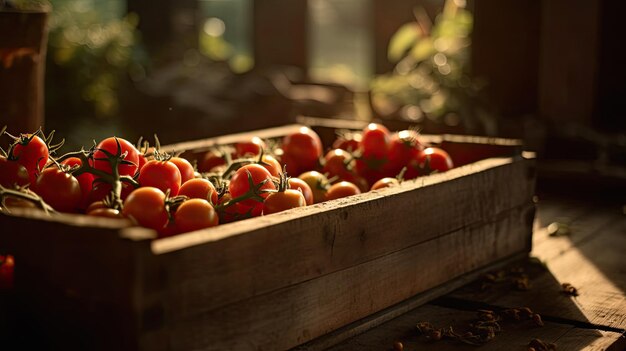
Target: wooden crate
[(268, 283)]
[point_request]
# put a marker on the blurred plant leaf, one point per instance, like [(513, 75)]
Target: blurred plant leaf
[(403, 40), (423, 49)]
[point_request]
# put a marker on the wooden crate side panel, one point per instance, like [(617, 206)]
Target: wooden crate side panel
[(76, 284), (293, 315), (289, 248)]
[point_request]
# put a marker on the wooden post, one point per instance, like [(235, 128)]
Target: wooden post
[(505, 44), (280, 33), (569, 60), (22, 66)]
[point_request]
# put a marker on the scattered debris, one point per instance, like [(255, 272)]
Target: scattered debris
[(538, 345), (569, 289)]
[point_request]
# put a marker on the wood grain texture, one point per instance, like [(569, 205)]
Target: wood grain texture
[(304, 244), (298, 313), (591, 259), (515, 336)]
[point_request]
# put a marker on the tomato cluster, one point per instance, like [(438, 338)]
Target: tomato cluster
[(167, 193)]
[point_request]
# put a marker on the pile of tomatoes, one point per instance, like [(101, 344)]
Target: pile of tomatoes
[(172, 195)]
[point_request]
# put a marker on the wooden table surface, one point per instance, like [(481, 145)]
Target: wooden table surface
[(581, 242)]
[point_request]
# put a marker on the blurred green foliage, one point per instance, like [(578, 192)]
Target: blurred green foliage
[(431, 74), (96, 47)]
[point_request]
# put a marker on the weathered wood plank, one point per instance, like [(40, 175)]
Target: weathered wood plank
[(591, 260), (298, 313), (515, 336), (303, 244)]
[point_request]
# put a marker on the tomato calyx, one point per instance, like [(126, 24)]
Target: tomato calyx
[(254, 192), (114, 178), (25, 139)]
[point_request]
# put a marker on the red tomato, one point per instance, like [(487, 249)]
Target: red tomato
[(211, 159), (32, 153), (338, 162), (301, 151), (375, 141), (59, 189), (318, 184), (403, 147), (239, 183), (185, 168), (160, 174), (228, 214), (170, 229), (374, 148), (7, 266), (283, 200), (249, 148), (342, 189), (85, 180), (12, 173), (302, 186), (349, 142), (105, 212), (146, 206), (199, 188), (386, 182), (195, 214), (434, 159), (110, 145), (101, 190), (272, 165)]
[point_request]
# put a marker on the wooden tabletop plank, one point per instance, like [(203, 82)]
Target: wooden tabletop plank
[(591, 259), (514, 336)]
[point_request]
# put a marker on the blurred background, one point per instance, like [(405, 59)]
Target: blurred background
[(550, 72)]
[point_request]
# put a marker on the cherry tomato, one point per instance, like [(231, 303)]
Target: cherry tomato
[(301, 151), (32, 153), (434, 159), (239, 183), (386, 182), (12, 173), (59, 189), (7, 266), (160, 174), (211, 159), (302, 186), (374, 148), (272, 165), (13, 202), (105, 212), (85, 180), (403, 147), (318, 184), (338, 162), (146, 206), (349, 142), (110, 145), (375, 141), (195, 214), (101, 190), (199, 188), (342, 189), (283, 200), (145, 156), (170, 229), (249, 148), (228, 214), (185, 168)]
